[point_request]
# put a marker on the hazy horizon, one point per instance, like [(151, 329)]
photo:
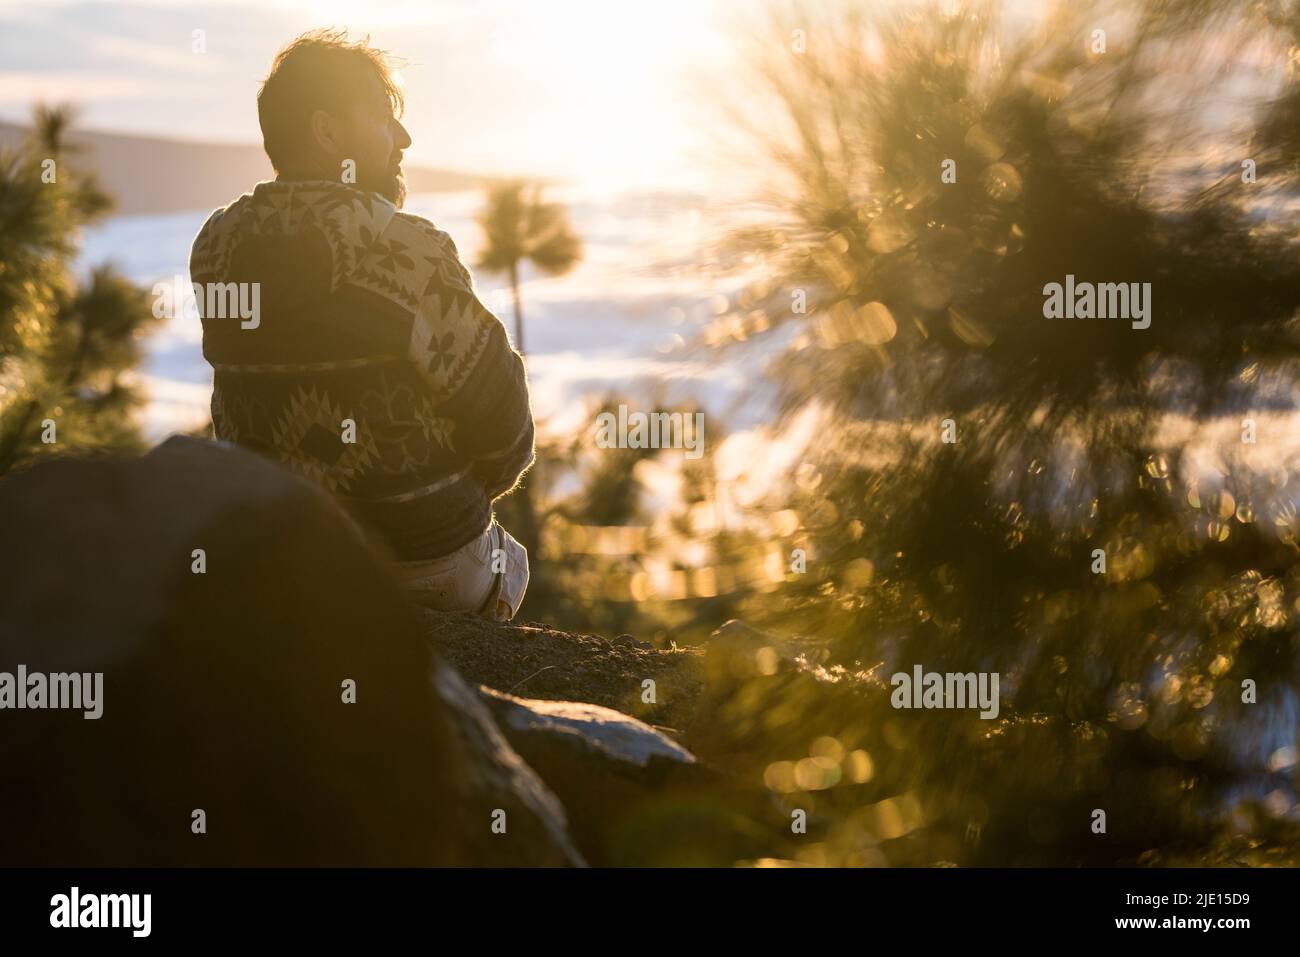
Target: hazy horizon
[(486, 92)]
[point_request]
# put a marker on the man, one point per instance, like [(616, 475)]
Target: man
[(372, 369)]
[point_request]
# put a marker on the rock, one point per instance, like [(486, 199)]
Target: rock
[(742, 700), (223, 691), (514, 784), (600, 731), (633, 795), (543, 662)]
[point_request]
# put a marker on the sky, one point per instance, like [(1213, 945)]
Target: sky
[(591, 90)]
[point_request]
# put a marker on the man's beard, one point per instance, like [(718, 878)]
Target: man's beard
[(397, 191), (390, 186)]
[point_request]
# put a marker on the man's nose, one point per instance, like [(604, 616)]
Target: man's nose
[(403, 139)]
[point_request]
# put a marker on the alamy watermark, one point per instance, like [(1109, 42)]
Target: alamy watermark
[(1106, 300), (922, 689), (221, 300), (76, 909), (651, 430), (37, 691)]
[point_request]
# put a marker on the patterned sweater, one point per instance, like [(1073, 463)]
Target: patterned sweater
[(366, 313)]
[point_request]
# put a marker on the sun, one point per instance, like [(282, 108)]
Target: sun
[(612, 84)]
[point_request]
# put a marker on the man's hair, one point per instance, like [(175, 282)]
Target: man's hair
[(320, 70)]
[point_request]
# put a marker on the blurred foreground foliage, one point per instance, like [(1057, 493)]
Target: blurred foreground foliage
[(911, 307), (1122, 690), (66, 346)]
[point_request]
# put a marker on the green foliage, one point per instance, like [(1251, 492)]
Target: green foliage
[(65, 347), (1123, 690), (621, 554)]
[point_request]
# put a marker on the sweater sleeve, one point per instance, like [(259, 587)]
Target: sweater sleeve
[(475, 376)]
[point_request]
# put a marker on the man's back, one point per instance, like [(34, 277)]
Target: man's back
[(372, 368)]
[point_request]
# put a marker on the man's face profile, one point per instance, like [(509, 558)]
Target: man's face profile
[(374, 138), (328, 110)]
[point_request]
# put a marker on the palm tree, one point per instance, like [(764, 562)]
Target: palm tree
[(520, 225)]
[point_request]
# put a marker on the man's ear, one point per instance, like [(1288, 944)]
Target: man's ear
[(326, 133)]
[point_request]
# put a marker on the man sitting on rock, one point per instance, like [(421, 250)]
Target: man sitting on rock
[(373, 369)]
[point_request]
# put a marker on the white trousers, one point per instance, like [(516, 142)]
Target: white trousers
[(488, 576)]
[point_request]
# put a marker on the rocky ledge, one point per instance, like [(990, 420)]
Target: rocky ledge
[(269, 697)]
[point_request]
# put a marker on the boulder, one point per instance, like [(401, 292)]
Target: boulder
[(593, 730), (634, 796), (536, 660), (226, 735)]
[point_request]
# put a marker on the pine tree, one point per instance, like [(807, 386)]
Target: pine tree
[(65, 346), (924, 316)]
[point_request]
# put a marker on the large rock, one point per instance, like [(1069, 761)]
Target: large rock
[(591, 730), (745, 704), (633, 795), (539, 661), (222, 691)]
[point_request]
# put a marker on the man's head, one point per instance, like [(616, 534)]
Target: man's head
[(328, 100)]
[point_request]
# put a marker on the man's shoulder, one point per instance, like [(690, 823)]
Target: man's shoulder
[(211, 246), (435, 245), (417, 226)]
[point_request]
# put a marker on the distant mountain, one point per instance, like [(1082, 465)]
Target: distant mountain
[(147, 174)]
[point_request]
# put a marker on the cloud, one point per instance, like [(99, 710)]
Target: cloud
[(570, 88), (176, 56), (24, 89)]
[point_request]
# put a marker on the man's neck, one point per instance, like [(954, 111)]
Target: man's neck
[(295, 175)]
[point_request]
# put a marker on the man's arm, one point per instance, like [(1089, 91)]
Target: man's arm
[(494, 421), (476, 378)]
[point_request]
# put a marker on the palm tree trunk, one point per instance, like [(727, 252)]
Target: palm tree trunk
[(528, 531), (519, 312)]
